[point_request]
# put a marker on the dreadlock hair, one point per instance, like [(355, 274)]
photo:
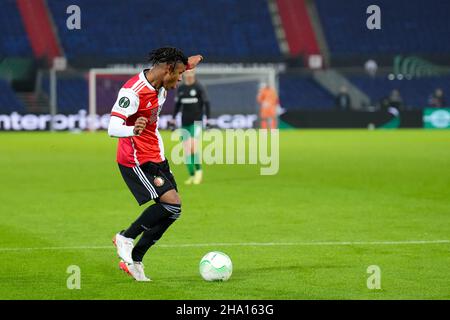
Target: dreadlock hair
[(169, 55)]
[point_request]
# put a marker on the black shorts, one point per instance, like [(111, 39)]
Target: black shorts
[(149, 181)]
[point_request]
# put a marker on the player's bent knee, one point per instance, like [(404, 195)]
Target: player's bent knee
[(174, 210), (171, 202), (171, 197)]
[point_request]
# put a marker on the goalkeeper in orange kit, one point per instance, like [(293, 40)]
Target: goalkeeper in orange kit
[(268, 101)]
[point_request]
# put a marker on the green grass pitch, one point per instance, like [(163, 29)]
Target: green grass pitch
[(290, 236)]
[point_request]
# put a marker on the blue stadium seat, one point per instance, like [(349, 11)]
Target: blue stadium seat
[(407, 26), (415, 92), (72, 94), (13, 38), (297, 92), (224, 29), (8, 99)]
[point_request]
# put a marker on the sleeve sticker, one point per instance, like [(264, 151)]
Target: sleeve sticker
[(124, 102)]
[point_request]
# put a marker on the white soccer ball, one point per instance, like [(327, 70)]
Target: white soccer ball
[(216, 266)]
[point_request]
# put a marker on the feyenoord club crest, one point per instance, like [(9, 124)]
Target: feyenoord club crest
[(158, 181)]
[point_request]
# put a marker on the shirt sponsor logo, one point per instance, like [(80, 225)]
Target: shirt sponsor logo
[(189, 100)]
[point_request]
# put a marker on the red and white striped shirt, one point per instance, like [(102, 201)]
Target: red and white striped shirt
[(137, 98)]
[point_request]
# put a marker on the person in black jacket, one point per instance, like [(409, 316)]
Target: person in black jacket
[(192, 100)]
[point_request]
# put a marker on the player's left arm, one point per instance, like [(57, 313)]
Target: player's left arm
[(127, 104), (193, 61), (117, 127)]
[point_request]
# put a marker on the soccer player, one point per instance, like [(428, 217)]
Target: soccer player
[(140, 154), (193, 101), (269, 103)]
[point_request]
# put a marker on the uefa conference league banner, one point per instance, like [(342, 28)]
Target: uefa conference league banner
[(82, 121), (436, 118), (429, 118)]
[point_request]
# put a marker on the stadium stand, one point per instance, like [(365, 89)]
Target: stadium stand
[(72, 94), (296, 92), (300, 92), (13, 38), (40, 31), (406, 27), (297, 27), (234, 31), (8, 99), (221, 29), (415, 92)]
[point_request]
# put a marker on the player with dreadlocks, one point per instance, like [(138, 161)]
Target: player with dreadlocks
[(140, 154)]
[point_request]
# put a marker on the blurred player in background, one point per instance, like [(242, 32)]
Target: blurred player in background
[(140, 154), (269, 103), (192, 101), (437, 99)]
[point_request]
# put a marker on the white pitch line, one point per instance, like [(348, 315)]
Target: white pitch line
[(244, 244)]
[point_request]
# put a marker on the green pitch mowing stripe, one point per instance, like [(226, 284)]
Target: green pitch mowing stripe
[(341, 202)]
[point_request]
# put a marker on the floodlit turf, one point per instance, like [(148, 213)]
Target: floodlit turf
[(61, 192)]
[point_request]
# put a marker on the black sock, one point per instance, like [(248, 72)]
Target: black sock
[(149, 238), (147, 220)]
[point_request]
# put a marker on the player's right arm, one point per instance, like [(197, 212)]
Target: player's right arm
[(127, 104)]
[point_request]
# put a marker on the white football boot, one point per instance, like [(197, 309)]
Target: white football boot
[(136, 270), (189, 180), (124, 247), (198, 177)]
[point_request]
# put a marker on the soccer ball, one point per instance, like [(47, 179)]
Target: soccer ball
[(216, 266)]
